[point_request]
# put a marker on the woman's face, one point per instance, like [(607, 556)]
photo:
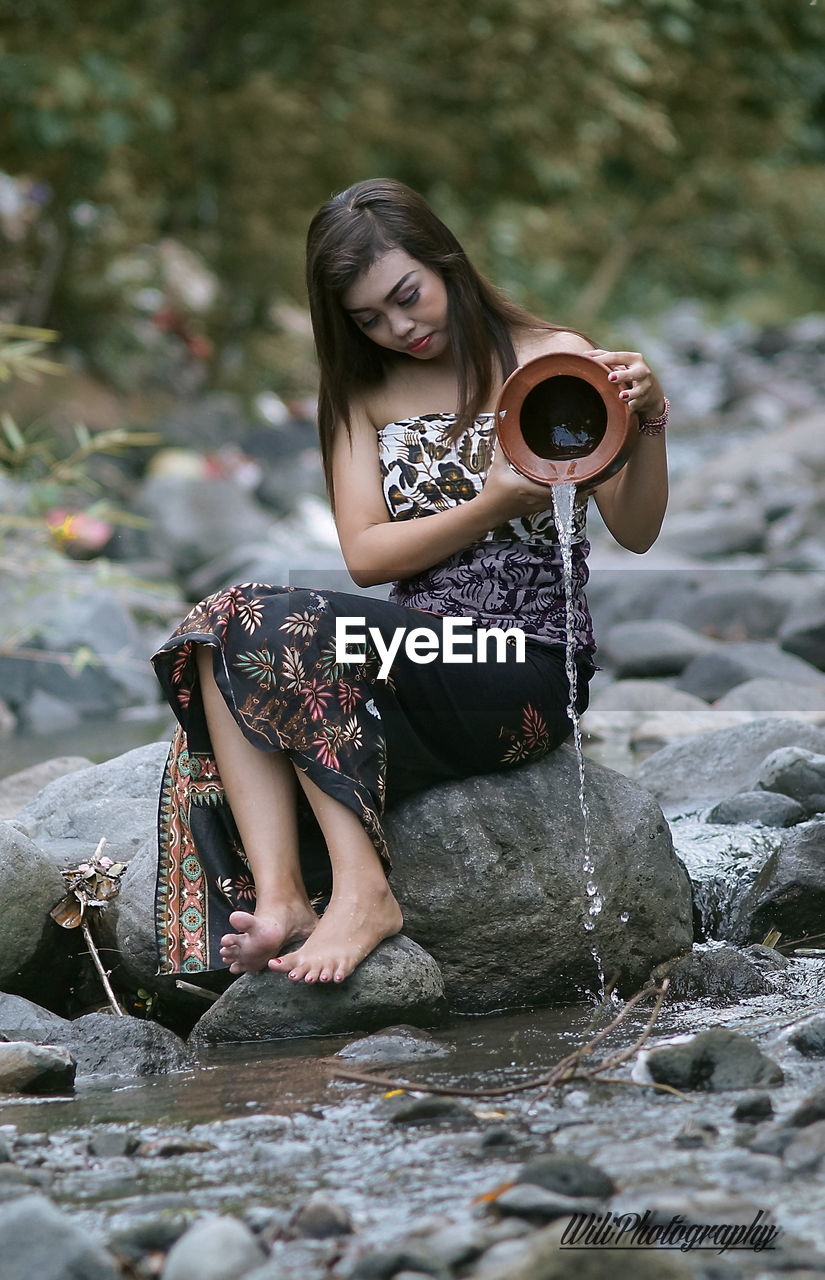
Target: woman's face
[(402, 305)]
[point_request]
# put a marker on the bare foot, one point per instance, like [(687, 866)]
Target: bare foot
[(351, 927), (261, 936)]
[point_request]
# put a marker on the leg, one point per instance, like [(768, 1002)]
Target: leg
[(362, 910), (260, 788)]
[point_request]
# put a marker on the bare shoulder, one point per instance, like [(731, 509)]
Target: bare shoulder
[(541, 342)]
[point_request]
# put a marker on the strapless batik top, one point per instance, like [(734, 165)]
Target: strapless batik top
[(511, 578)]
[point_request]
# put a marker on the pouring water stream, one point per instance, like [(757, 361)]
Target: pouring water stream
[(563, 502)]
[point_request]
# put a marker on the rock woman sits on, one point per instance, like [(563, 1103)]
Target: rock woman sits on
[(286, 756)]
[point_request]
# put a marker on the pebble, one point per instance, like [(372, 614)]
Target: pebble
[(215, 1248), (321, 1218), (431, 1110), (567, 1175), (758, 1106), (806, 1150), (809, 1038)]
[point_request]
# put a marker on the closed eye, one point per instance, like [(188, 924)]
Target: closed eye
[(410, 298)]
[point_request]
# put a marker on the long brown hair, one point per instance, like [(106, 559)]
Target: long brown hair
[(346, 236)]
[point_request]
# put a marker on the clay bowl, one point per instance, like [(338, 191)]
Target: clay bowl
[(559, 420)]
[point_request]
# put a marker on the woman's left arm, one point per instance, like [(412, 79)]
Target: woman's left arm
[(632, 503)]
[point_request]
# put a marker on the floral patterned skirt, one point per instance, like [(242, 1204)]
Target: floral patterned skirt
[(364, 740)]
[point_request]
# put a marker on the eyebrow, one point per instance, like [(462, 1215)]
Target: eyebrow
[(393, 291)]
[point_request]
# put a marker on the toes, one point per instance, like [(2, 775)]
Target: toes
[(242, 920), (288, 959)]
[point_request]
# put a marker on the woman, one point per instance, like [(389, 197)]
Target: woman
[(413, 347)]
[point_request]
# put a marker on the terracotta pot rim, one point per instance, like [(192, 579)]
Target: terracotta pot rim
[(610, 453)]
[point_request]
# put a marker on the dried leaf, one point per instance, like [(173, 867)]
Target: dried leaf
[(69, 912)]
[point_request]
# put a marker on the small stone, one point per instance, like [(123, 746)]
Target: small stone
[(456, 1245), (759, 808), (432, 1110), (809, 1038), (35, 1068), (498, 1136), (808, 1112), (767, 958), (536, 1204), (395, 1044), (713, 1061), (722, 975), (757, 1107), (568, 1176), (806, 1150), (387, 1264), (215, 1248), (148, 1235), (771, 1141), (112, 1142), (321, 1219), (175, 1145), (695, 1134)]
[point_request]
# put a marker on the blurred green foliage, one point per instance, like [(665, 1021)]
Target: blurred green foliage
[(597, 157)]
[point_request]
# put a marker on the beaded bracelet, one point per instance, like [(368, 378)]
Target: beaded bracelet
[(655, 426)]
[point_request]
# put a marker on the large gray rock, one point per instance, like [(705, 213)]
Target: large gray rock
[(26, 1067), (104, 1044), (31, 887), (127, 926), (17, 789), (761, 808), (117, 799), (196, 519), (37, 1242), (789, 892), (764, 693), (624, 595), (489, 874), (738, 610), (398, 980), (713, 674), (22, 1019), (712, 534), (655, 647), (795, 772), (88, 617), (100, 1043), (701, 770), (803, 631)]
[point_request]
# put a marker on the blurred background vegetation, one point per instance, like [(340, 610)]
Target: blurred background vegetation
[(160, 160)]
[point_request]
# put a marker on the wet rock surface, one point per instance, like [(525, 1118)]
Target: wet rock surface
[(399, 978), (480, 868), (713, 1061), (315, 1179)]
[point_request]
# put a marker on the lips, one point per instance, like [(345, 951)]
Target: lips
[(420, 344)]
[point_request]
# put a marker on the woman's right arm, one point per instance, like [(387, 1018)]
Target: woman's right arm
[(378, 549)]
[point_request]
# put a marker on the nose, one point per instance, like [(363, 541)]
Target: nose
[(402, 324)]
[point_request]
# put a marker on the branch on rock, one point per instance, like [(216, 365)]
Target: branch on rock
[(92, 886)]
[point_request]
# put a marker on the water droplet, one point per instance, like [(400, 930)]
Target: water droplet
[(624, 917), (589, 925), (592, 888)]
